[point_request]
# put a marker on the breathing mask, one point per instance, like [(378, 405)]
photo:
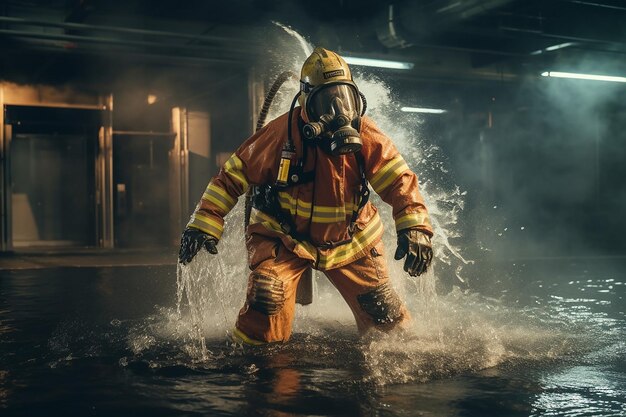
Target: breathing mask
[(334, 112), (331, 103)]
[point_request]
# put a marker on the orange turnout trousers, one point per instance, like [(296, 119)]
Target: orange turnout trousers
[(268, 312)]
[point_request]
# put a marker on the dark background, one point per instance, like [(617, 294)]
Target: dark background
[(532, 152)]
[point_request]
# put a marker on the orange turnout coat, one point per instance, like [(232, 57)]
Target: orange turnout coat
[(321, 209)]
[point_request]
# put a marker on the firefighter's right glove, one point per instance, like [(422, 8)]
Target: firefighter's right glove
[(191, 242), (418, 250)]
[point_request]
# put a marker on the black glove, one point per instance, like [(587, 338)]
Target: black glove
[(418, 250), (192, 241)]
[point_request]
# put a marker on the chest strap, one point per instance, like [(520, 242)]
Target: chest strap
[(364, 195), (265, 199), (364, 189), (297, 176)]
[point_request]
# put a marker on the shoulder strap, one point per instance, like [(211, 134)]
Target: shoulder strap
[(364, 191), (297, 175)]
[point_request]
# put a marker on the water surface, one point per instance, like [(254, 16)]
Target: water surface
[(544, 339)]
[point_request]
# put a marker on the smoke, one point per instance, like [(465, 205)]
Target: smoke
[(228, 269), (444, 199), (451, 333), (543, 166), (443, 339)]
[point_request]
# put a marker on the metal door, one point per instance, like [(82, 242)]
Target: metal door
[(51, 176)]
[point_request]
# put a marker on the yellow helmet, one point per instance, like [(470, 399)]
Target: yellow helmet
[(322, 68)]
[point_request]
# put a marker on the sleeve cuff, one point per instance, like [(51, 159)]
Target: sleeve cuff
[(211, 225), (414, 220)]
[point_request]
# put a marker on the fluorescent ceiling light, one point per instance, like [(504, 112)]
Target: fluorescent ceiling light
[(422, 110), (583, 76), (553, 48), (379, 63), (560, 46)]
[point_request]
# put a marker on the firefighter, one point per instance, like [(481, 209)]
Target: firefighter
[(309, 172)]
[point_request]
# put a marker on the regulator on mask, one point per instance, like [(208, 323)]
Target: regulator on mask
[(334, 112)]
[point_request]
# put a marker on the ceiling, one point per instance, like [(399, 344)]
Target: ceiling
[(445, 39)]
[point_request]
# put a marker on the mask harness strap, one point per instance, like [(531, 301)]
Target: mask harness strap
[(364, 103)]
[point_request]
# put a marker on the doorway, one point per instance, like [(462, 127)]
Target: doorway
[(52, 176)]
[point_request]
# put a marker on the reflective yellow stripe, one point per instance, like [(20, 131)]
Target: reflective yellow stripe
[(412, 220), (360, 241), (234, 168), (289, 203), (329, 209), (218, 197), (234, 162), (321, 214), (267, 221), (240, 337), (219, 190), (207, 225), (216, 202), (287, 199), (337, 215), (388, 173)]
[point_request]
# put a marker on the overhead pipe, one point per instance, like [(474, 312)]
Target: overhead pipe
[(158, 56), (117, 29), (562, 37), (406, 23), (110, 41), (596, 4)]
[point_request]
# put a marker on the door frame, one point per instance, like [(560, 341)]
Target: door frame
[(46, 96)]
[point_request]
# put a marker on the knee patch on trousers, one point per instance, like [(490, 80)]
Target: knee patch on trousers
[(382, 304), (266, 294)]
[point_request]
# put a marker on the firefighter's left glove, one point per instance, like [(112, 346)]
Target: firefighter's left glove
[(191, 242), (418, 250)]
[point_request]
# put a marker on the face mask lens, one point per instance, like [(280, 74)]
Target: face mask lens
[(343, 96)]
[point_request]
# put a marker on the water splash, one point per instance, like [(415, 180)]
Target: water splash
[(307, 48), (445, 204), (463, 333), (212, 288), (201, 284), (450, 334)]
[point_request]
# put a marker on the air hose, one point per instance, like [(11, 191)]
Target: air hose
[(304, 291), (269, 98)]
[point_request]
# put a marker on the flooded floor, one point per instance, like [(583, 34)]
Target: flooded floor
[(540, 340)]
